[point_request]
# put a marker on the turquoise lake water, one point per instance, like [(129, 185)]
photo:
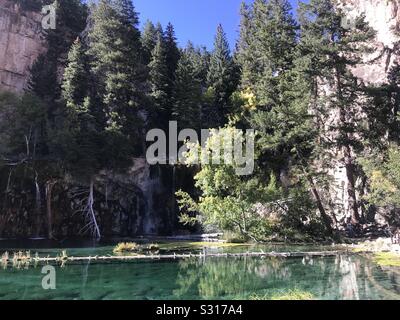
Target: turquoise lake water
[(344, 277)]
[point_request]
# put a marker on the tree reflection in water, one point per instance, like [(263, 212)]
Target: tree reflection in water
[(340, 277)]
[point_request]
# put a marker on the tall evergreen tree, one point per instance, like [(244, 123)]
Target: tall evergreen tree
[(331, 50), (187, 94), (267, 45), (159, 80), (148, 39), (115, 50), (81, 140), (200, 58), (221, 76), (172, 51), (246, 48), (278, 95), (76, 76), (269, 35)]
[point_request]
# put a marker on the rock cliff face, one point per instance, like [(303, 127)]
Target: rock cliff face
[(132, 204), (384, 17), (21, 41)]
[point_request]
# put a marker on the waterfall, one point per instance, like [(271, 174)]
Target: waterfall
[(149, 221), (38, 197)]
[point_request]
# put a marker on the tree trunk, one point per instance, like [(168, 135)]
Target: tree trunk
[(38, 207), (326, 219), (351, 185), (347, 154), (90, 211)]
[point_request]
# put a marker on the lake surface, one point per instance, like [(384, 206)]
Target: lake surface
[(341, 277)]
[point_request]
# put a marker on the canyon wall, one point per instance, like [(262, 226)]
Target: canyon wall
[(21, 42), (384, 17)]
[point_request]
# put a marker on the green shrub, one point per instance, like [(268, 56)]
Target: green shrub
[(125, 247), (294, 294)]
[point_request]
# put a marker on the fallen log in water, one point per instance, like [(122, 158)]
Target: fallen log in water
[(20, 258)]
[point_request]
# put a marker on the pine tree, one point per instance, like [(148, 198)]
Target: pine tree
[(81, 140), (75, 79), (148, 40), (271, 42), (277, 96), (200, 58), (246, 48), (268, 33), (172, 52), (330, 50), (159, 80), (115, 50), (128, 16), (187, 94), (82, 148), (221, 76)]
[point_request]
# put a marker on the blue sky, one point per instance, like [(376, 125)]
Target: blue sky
[(195, 20)]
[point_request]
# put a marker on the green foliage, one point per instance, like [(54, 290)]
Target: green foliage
[(266, 46), (159, 79), (228, 200), (149, 38), (25, 139), (221, 79), (172, 54), (81, 139), (382, 112), (124, 247), (43, 79), (76, 76), (384, 177), (291, 295), (187, 93), (71, 20), (387, 259), (114, 49), (117, 81)]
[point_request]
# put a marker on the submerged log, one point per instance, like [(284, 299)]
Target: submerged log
[(64, 258)]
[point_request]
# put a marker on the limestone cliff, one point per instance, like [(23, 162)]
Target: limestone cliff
[(21, 41), (384, 17)]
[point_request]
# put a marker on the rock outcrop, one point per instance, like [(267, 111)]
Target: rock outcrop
[(21, 42), (384, 17), (127, 204)]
